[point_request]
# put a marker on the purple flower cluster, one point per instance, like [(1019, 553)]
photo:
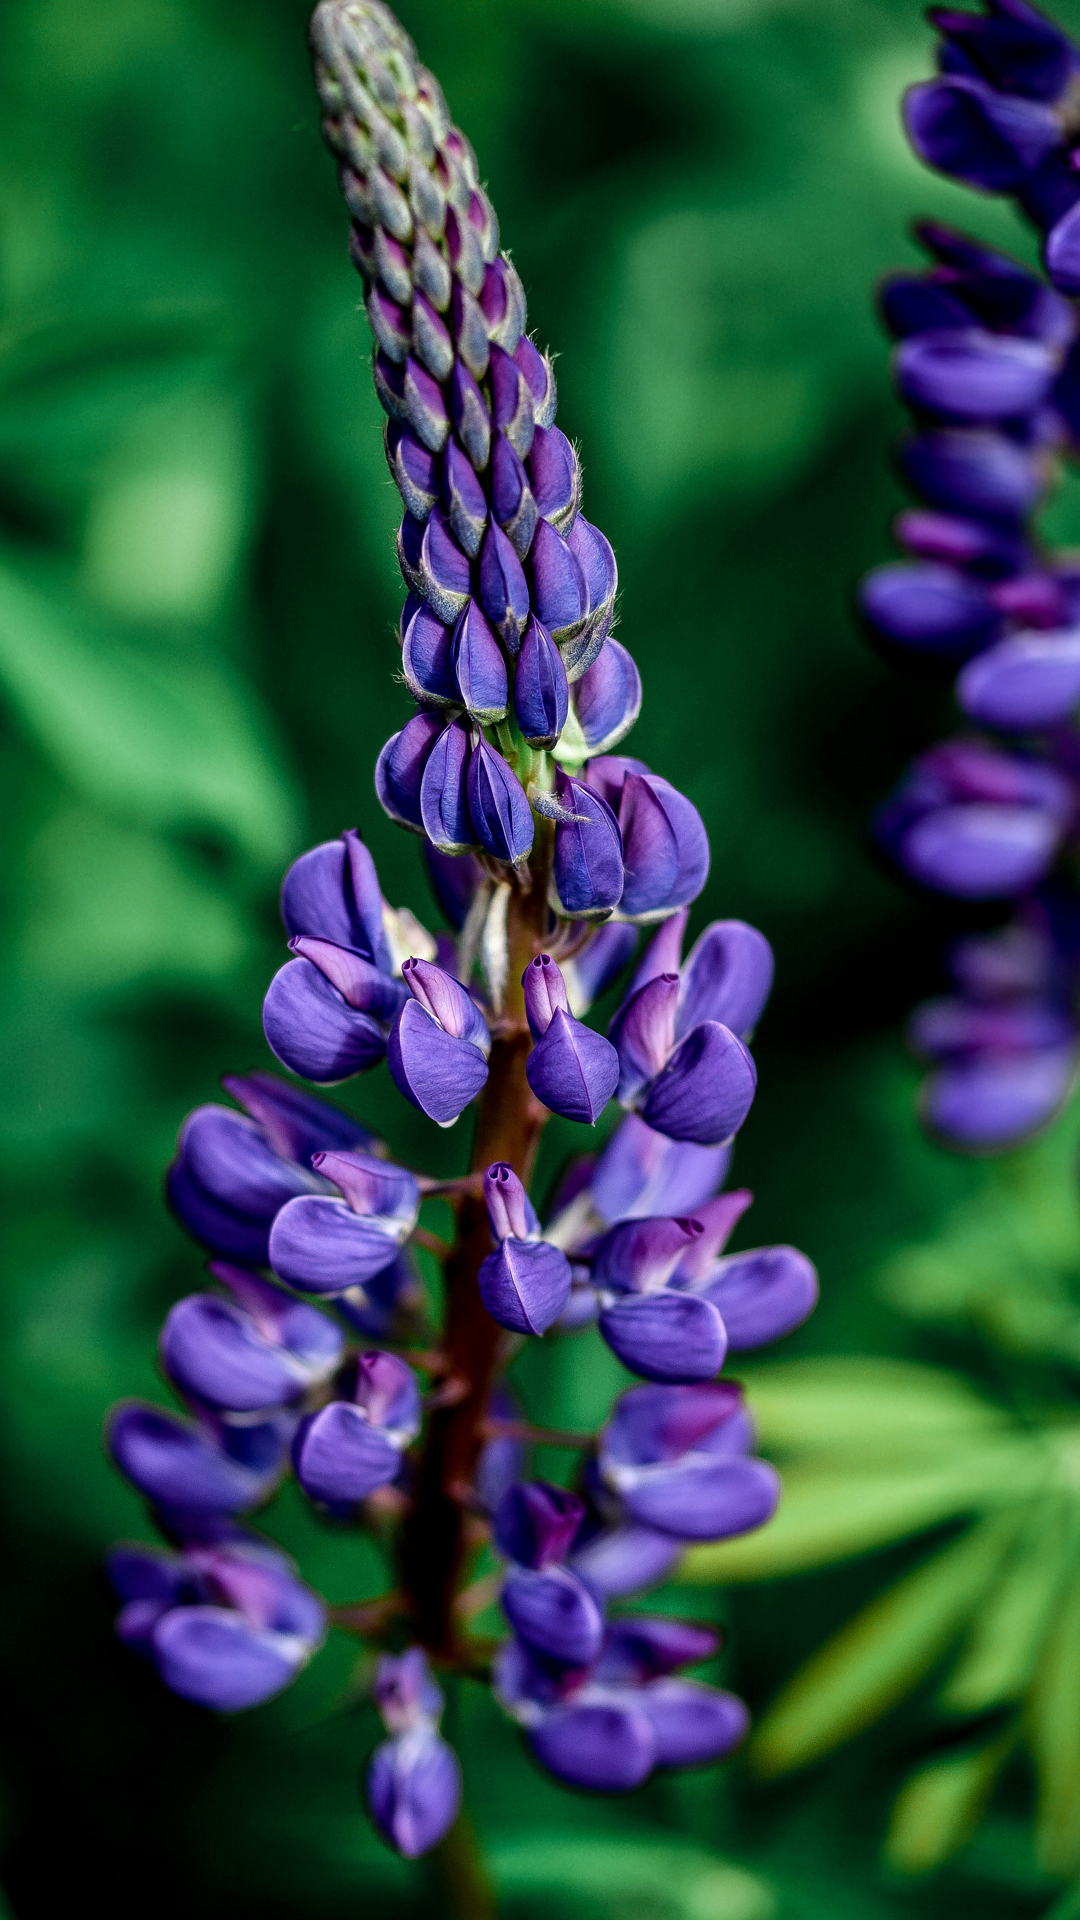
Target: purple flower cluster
[(316, 1351), (987, 358)]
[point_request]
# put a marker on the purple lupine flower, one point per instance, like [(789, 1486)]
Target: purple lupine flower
[(438, 1050), (325, 1245), (677, 1459), (328, 1011), (525, 1284), (197, 1468), (233, 1171), (225, 1621), (521, 697), (551, 1609), (573, 1070), (664, 843), (972, 821), (1005, 1046), (414, 1779), (258, 1350), (609, 1727), (679, 1036), (350, 1447)]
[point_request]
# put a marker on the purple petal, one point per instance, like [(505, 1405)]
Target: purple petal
[(643, 1032), (212, 1656), (470, 416), (504, 592), (980, 851), (559, 591), (415, 469), (362, 984), (373, 1186), (607, 698), (556, 477), (665, 1336), (996, 1101), (727, 976), (512, 401), (339, 1456), (404, 1690), (588, 869), (425, 656), (554, 1613), (541, 382), (313, 1031), (478, 666), (536, 1524), (387, 1391), (296, 1123), (989, 140), (626, 1560), (399, 770), (435, 1071), (215, 1225), (610, 1749), (718, 1220), (501, 814), (444, 807), (320, 1246), (705, 1499), (447, 1001), (545, 993), (932, 609), (502, 301), (692, 1724), (463, 497), (974, 470), (1062, 252), (659, 1425), (706, 1090), (414, 1790), (573, 1070), (511, 496), (333, 893), (510, 1211), (171, 1462), (1030, 680), (218, 1354), (665, 848), (541, 693), (969, 374), (525, 1284), (641, 1172), (424, 406), (762, 1295), (643, 1647), (638, 1256)]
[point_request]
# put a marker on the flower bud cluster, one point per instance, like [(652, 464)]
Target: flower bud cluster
[(987, 358)]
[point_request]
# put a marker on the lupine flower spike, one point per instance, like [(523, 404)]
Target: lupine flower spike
[(987, 358), (311, 1348)]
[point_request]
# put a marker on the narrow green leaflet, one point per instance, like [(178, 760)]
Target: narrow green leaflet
[(1054, 1737), (940, 1805), (608, 1879), (857, 1676)]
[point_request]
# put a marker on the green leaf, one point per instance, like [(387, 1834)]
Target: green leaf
[(880, 1655), (940, 1805), (1008, 1631), (170, 739), (867, 1405), (1054, 1737), (631, 1879)]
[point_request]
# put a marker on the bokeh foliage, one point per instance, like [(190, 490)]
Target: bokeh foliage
[(197, 599)]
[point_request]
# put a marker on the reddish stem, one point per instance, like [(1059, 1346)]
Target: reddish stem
[(434, 1544)]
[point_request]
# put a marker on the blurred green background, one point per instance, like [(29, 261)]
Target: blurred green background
[(197, 602)]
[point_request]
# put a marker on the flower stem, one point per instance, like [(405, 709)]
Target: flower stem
[(433, 1546), (459, 1864)]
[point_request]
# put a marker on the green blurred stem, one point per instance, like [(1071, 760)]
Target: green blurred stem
[(459, 1864)]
